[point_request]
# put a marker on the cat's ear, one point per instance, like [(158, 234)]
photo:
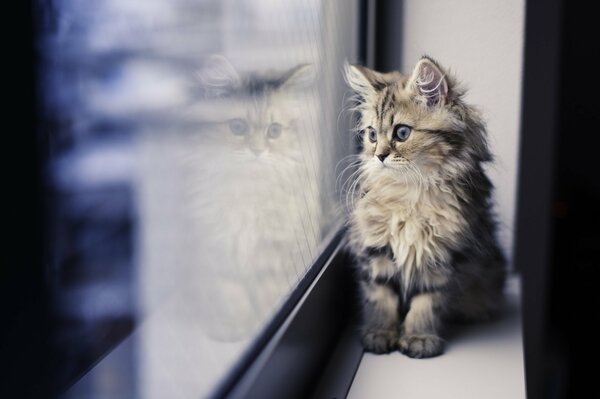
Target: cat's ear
[(299, 77), (366, 82), (429, 83), (217, 76)]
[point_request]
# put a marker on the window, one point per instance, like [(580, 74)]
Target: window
[(194, 151)]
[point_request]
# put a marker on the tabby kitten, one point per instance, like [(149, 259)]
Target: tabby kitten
[(250, 200), (422, 227)]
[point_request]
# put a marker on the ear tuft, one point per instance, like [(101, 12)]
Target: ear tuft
[(217, 76), (367, 82), (357, 80), (429, 82), (299, 77)]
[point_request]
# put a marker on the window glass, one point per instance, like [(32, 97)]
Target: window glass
[(193, 150)]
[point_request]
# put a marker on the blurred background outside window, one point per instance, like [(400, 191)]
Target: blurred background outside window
[(193, 152)]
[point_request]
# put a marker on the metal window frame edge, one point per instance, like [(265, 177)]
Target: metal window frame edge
[(310, 347)]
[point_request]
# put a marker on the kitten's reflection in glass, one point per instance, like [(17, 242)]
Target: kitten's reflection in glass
[(251, 200)]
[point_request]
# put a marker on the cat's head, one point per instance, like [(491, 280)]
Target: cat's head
[(256, 115), (416, 123)]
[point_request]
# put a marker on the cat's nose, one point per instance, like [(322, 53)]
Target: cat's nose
[(382, 156), (257, 146)]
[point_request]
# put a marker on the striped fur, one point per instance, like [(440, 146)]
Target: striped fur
[(421, 225)]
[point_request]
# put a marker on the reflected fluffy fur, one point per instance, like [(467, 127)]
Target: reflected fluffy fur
[(252, 212), (425, 207)]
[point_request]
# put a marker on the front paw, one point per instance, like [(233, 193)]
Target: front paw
[(421, 346), (380, 341)]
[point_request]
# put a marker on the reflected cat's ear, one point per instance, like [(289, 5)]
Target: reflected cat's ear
[(429, 83), (217, 76), (299, 77)]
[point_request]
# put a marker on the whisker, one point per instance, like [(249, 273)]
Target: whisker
[(350, 164), (355, 185), (352, 179), (341, 175), (358, 175)]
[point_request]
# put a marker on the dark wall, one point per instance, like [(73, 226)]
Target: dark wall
[(25, 336), (558, 240), (576, 210), (387, 34)]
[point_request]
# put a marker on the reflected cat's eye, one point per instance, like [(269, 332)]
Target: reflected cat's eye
[(274, 130), (238, 126), (401, 132), (372, 134)]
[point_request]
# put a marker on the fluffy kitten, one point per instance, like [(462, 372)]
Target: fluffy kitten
[(421, 228), (252, 202)]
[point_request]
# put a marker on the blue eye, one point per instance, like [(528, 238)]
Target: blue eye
[(274, 130), (401, 132), (238, 126), (372, 134)]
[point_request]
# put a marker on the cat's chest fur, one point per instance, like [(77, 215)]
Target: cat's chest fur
[(419, 224)]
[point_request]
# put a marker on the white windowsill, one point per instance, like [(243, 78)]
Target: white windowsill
[(481, 361)]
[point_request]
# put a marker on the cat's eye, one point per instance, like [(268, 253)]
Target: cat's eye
[(238, 126), (372, 134), (401, 132), (274, 130)]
